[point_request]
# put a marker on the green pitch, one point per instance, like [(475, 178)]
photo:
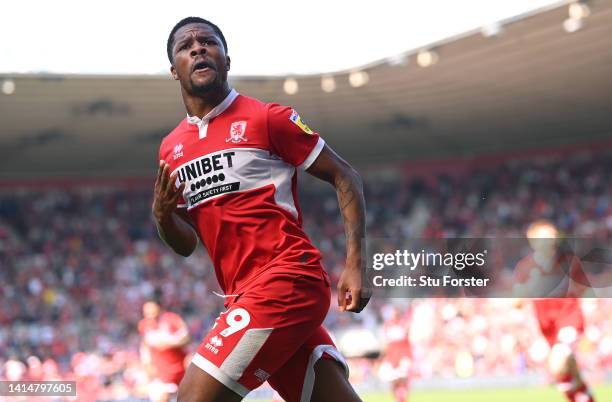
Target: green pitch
[(547, 394)]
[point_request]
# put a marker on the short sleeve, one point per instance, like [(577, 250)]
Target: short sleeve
[(174, 321), (577, 275), (291, 138), (523, 269), (141, 327)]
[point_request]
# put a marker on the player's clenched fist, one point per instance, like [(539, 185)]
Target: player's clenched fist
[(352, 296), (166, 194)]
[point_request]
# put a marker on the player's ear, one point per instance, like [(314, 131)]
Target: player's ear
[(227, 63), (173, 72)]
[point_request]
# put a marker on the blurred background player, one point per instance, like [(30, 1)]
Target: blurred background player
[(164, 337), (397, 358), (550, 269)]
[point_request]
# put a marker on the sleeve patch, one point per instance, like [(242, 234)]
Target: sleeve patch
[(297, 120)]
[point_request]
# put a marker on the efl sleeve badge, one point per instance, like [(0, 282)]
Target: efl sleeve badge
[(296, 119)]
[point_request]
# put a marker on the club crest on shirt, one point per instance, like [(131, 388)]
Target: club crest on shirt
[(237, 130), (178, 151), (297, 120)]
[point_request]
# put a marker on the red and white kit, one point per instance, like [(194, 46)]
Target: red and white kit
[(398, 352), (169, 364), (239, 164), (560, 318)]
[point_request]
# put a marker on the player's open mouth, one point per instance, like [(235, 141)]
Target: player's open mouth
[(202, 66)]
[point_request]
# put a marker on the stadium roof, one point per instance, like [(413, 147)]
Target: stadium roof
[(531, 85)]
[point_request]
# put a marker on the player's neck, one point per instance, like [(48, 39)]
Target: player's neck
[(201, 105)]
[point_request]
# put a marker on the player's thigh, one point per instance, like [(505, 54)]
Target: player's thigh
[(331, 384), (199, 386), (296, 379), (561, 360)]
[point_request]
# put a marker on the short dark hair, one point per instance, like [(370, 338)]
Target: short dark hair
[(192, 20), (157, 296)]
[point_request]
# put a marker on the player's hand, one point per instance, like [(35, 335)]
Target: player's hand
[(166, 194), (156, 344), (351, 294), (518, 303), (157, 340)]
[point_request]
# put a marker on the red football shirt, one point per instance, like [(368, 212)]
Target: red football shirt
[(239, 163), (168, 363), (554, 278), (562, 276), (396, 333)]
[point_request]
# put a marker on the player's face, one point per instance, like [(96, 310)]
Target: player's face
[(543, 239), (150, 310), (200, 62)]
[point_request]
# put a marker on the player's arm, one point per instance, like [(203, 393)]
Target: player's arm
[(145, 359), (145, 354), (332, 168), (520, 282), (180, 337), (579, 285), (173, 228)]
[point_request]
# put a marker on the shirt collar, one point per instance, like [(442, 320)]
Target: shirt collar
[(216, 111)]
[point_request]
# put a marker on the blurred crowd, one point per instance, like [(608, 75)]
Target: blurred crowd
[(466, 338), (77, 262)]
